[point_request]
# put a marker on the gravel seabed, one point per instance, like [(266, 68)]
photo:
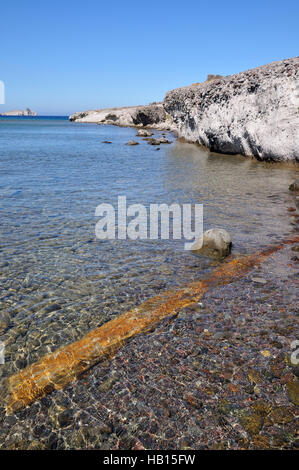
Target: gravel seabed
[(216, 376)]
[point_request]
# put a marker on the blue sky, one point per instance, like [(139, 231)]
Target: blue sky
[(58, 57)]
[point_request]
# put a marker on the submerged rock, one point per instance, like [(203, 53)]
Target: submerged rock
[(60, 416), (255, 377), (295, 185), (153, 141), (262, 407), (144, 133), (280, 415), (215, 243), (65, 418), (251, 422), (293, 391), (163, 140), (132, 142), (259, 280), (4, 322)]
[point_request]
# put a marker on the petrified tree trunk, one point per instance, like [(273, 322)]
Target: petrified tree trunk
[(59, 368)]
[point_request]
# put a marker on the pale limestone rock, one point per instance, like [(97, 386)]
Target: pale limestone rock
[(152, 115), (215, 243), (144, 133), (253, 113)]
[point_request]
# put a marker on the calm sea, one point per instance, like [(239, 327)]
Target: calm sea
[(57, 280)]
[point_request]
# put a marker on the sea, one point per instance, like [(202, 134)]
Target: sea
[(57, 279)]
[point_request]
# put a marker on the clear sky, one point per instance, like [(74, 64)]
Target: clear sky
[(58, 57)]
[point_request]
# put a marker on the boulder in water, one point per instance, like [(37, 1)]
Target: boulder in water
[(144, 133), (215, 243)]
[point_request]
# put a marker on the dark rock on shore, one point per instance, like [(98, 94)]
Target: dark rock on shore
[(149, 115), (77, 116)]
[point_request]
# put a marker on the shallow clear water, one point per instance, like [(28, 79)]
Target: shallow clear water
[(57, 280)]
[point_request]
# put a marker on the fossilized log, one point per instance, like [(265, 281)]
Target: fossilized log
[(56, 370)]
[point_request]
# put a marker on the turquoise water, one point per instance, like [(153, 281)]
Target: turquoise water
[(57, 280)]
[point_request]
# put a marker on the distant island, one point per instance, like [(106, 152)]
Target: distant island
[(20, 112)]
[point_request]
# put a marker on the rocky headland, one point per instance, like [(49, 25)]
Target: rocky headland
[(253, 113), (152, 115)]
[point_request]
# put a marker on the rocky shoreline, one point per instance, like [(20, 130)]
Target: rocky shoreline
[(150, 116), (217, 374), (253, 113)]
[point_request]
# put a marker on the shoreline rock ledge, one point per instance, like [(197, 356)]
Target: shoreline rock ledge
[(152, 116), (253, 113)]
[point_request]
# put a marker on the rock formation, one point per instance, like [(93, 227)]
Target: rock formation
[(19, 112), (253, 113), (144, 133), (152, 115), (215, 243)]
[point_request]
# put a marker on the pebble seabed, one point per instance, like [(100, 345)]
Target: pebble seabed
[(217, 375)]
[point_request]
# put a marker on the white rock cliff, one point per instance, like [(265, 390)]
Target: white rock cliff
[(254, 113)]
